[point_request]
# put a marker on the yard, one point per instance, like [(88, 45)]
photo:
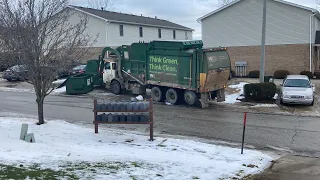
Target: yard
[(64, 150)]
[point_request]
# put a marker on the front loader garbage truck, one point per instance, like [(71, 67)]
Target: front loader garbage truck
[(175, 71)]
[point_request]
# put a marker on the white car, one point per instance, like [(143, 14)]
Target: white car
[(297, 89)]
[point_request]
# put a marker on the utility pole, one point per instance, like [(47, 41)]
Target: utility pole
[(263, 41)]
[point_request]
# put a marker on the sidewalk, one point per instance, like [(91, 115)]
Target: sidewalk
[(293, 168)]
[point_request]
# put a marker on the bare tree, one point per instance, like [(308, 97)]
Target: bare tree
[(43, 39), (107, 5), (225, 2)]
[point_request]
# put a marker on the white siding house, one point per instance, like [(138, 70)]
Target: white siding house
[(290, 34), (136, 33), (106, 26), (240, 24)]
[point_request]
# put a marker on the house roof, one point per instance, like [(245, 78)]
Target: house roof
[(129, 18), (236, 1)]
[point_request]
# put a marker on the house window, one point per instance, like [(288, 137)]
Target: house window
[(174, 34), (159, 33), (186, 35), (121, 30), (140, 31)]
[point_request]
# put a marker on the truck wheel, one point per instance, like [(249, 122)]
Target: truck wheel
[(172, 96), (190, 97), (115, 87), (156, 94)]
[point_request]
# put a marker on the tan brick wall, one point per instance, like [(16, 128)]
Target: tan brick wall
[(92, 53), (291, 57)]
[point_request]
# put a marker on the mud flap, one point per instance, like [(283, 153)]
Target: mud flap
[(221, 95), (204, 100)]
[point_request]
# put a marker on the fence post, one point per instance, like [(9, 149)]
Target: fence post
[(244, 130)]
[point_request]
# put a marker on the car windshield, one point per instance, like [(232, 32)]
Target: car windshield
[(304, 83), (17, 68), (79, 67)]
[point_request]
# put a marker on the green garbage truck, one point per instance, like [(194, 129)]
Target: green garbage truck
[(174, 71)]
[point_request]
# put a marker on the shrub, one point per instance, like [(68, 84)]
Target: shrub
[(260, 91), (307, 73), (317, 74), (233, 73), (254, 74), (281, 74)]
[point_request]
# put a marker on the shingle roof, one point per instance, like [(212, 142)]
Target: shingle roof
[(131, 19)]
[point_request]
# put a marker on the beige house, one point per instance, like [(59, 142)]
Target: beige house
[(290, 34)]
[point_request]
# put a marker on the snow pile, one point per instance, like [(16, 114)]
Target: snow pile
[(232, 98), (7, 89), (61, 90), (59, 81), (58, 142), (265, 105)]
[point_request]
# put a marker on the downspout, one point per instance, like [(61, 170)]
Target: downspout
[(310, 53), (107, 23)]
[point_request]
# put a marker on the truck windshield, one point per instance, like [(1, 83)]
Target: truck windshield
[(217, 59)]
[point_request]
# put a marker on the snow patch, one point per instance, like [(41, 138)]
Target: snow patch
[(232, 98), (59, 81), (6, 89), (59, 90), (265, 105), (59, 142)]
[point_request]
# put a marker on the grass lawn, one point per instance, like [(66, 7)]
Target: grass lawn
[(67, 171)]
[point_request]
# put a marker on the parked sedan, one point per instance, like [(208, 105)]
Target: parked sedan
[(17, 72), (297, 89), (78, 70)]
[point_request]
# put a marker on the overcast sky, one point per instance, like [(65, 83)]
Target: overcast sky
[(184, 12)]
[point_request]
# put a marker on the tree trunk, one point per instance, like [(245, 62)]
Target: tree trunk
[(40, 111)]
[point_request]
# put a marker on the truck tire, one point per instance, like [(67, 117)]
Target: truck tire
[(190, 97), (172, 96), (115, 87), (156, 94)]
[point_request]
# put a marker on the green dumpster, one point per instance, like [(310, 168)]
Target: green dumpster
[(268, 79), (79, 84), (93, 68)]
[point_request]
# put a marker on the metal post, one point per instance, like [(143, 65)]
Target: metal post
[(96, 126), (263, 41), (151, 118), (244, 130)]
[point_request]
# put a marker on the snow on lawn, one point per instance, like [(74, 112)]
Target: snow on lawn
[(232, 98), (60, 144)]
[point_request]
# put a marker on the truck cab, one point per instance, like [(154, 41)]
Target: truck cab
[(109, 71)]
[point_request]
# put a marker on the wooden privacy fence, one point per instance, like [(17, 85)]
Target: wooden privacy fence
[(123, 113)]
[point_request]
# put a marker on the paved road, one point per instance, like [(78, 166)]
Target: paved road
[(301, 134)]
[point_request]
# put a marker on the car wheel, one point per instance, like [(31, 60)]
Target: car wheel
[(312, 103)]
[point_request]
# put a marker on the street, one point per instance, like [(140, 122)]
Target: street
[(299, 134)]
